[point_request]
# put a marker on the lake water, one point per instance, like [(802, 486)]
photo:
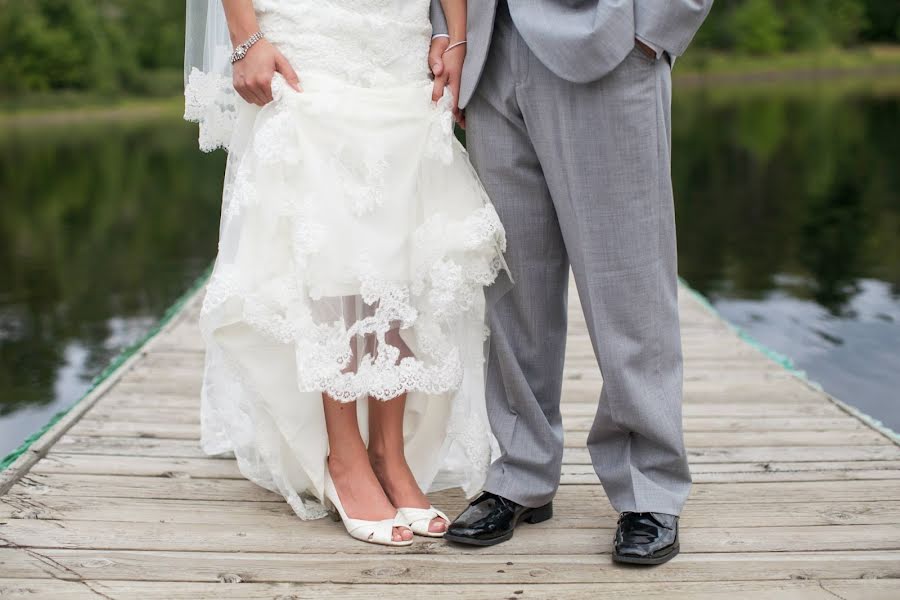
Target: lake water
[(788, 204)]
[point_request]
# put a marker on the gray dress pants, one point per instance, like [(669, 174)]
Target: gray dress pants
[(580, 175)]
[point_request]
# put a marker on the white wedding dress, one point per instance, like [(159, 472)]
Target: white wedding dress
[(355, 245)]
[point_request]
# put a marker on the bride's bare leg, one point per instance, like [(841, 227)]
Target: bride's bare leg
[(388, 460), (348, 463)]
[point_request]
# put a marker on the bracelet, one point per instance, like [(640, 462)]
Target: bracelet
[(452, 46), (241, 50)]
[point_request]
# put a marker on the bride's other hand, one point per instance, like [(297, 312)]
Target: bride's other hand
[(447, 72), (436, 65), (453, 60), (452, 54), (253, 74)]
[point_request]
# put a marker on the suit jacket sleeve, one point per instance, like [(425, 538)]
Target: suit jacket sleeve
[(669, 24), (438, 22)]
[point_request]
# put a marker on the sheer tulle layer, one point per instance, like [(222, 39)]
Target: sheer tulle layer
[(355, 244)]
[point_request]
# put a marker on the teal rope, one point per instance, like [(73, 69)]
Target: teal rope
[(789, 366), (111, 368)]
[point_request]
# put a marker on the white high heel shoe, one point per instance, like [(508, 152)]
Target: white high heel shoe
[(419, 520), (374, 532)]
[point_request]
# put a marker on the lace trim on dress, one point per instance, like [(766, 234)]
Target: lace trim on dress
[(446, 285), (210, 101)]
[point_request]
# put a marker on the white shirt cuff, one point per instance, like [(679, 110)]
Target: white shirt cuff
[(659, 51)]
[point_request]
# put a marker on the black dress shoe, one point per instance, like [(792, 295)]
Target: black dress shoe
[(491, 519), (646, 538)]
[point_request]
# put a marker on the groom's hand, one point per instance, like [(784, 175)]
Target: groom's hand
[(647, 50)]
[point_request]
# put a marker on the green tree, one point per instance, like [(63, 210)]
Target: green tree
[(757, 27), (846, 19), (157, 31), (62, 44), (766, 26), (882, 21), (101, 46)]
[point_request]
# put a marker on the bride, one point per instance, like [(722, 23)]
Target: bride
[(344, 317)]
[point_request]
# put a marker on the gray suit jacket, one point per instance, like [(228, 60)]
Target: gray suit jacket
[(579, 40)]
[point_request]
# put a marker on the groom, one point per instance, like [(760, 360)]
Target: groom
[(567, 105)]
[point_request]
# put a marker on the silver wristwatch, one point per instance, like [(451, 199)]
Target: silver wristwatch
[(242, 49)]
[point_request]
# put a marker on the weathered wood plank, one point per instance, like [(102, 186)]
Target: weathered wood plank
[(695, 439), (566, 514), (739, 424), (787, 391), (144, 407), (142, 466), (884, 589), (574, 438), (734, 410), (212, 468), (109, 486), (103, 486), (584, 474), (77, 444), (447, 570), (700, 378), (190, 415), (325, 536), (726, 391), (190, 449)]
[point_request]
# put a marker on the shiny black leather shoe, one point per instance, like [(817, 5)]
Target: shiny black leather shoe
[(645, 538), (491, 519)]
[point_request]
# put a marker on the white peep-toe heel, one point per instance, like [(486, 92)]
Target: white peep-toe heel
[(374, 532), (419, 520)]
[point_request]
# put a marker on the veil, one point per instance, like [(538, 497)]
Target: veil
[(210, 99)]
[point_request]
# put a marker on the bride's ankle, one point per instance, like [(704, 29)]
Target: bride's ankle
[(342, 463), (382, 457)]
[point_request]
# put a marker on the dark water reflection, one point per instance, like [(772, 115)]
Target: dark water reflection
[(788, 210), (103, 226), (789, 221)]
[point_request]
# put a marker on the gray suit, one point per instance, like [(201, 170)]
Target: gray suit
[(579, 40), (569, 129)]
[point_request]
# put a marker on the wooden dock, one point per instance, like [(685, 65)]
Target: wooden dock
[(794, 497)]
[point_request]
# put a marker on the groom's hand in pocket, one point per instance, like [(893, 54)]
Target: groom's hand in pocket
[(645, 48)]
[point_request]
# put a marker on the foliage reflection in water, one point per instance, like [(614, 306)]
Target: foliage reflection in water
[(103, 226), (789, 221)]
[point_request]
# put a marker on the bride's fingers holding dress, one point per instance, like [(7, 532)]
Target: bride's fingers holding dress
[(453, 59), (436, 66), (283, 66), (253, 73), (245, 91), (440, 82)]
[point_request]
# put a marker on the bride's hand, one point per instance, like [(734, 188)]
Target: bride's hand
[(436, 66), (454, 58), (253, 74), (447, 65)]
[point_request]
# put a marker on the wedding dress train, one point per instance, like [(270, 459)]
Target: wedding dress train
[(355, 245)]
